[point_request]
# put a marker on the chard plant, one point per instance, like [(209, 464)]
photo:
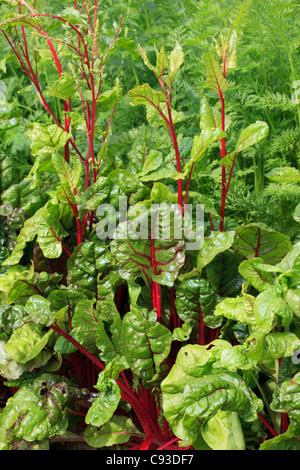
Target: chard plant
[(114, 331)]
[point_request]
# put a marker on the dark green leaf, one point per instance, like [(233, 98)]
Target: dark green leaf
[(146, 343)]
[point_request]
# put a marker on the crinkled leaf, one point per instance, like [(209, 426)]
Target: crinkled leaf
[(192, 393), (47, 224), (22, 196), (286, 441), (31, 284), (216, 242), (85, 265), (85, 325), (67, 172), (46, 140), (10, 318), (239, 309), (195, 300), (290, 258), (40, 310), (223, 273), (146, 343), (27, 342), (29, 416), (63, 297), (280, 345), (286, 398), (269, 347), (125, 180), (270, 306), (131, 245), (104, 406), (95, 195), (258, 273), (9, 368), (64, 87), (292, 298)]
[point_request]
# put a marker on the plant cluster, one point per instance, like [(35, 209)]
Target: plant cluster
[(112, 340)]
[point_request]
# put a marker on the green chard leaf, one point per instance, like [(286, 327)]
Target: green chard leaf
[(270, 307), (105, 405), (85, 325), (200, 145), (215, 80), (259, 240), (144, 94), (286, 399), (215, 243), (131, 245), (30, 284), (64, 87), (48, 225), (252, 135), (46, 140), (27, 342), (10, 116), (176, 59), (146, 343), (239, 309), (195, 300), (259, 274), (223, 431), (85, 265), (117, 430), (284, 175), (37, 411), (194, 392), (109, 98)]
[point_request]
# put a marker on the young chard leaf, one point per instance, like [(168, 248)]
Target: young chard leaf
[(251, 135), (215, 80), (64, 87)]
